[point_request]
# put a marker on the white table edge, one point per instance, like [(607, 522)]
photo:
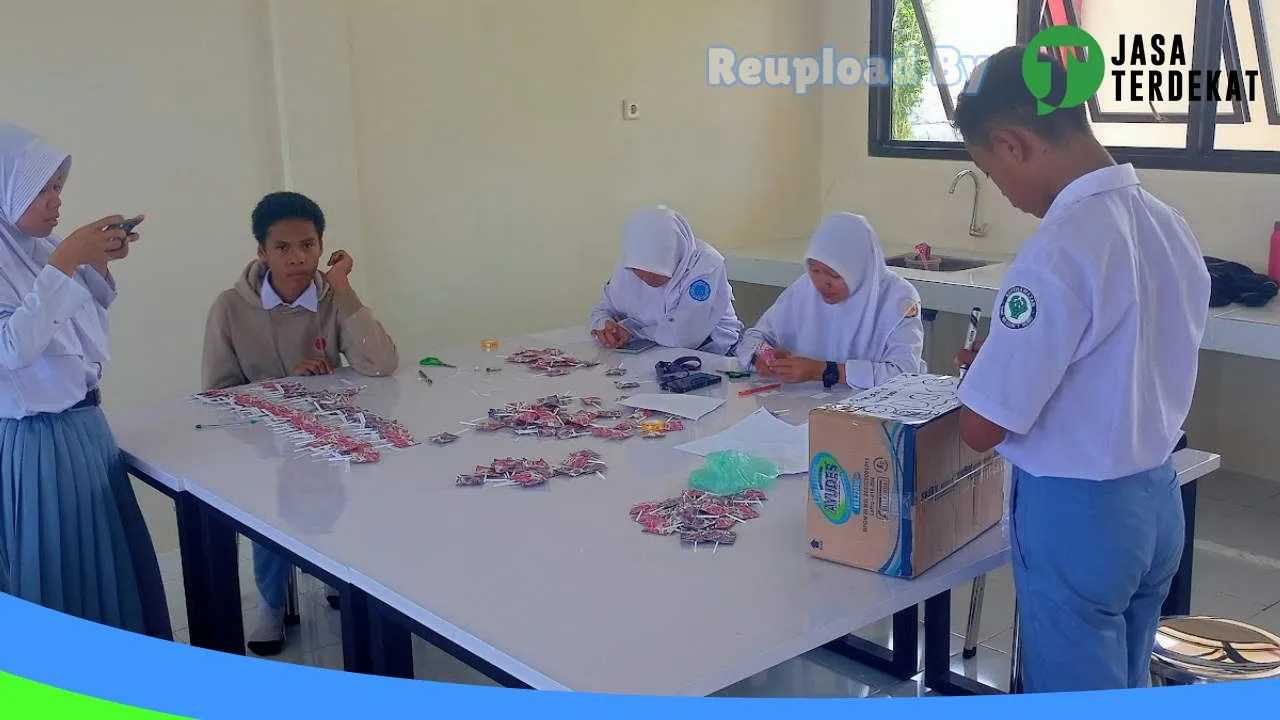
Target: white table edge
[(467, 641)]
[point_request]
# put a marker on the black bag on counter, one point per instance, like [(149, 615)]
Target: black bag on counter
[(1233, 282)]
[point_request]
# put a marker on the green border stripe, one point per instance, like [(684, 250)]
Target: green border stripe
[(22, 698)]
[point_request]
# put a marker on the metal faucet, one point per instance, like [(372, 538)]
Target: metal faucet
[(975, 230)]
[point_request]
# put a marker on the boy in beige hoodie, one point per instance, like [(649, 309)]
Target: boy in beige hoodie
[(285, 318)]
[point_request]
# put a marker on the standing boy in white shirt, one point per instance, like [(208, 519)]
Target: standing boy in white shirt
[(1083, 384)]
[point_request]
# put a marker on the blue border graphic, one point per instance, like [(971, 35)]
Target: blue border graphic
[(101, 662)]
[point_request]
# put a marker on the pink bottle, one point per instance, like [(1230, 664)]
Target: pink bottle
[(1273, 262)]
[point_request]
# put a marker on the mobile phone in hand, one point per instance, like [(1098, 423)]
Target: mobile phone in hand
[(636, 346), (127, 226)]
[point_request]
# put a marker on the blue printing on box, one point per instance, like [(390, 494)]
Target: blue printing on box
[(901, 442)]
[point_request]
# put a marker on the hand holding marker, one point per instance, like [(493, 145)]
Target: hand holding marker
[(971, 337)]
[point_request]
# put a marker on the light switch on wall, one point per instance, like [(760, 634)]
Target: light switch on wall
[(630, 110)]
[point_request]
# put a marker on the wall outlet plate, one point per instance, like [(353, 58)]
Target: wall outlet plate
[(630, 110)]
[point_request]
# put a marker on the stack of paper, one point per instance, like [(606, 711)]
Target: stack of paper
[(764, 436), (690, 407)]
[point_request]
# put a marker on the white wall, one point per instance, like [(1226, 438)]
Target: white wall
[(496, 170), (166, 107)]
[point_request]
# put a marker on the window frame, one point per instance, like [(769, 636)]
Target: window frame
[(1197, 153)]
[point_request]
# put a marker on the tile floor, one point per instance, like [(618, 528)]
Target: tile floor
[(1237, 575)]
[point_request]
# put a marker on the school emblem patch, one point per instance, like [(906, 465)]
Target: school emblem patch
[(910, 309), (700, 290), (1018, 309)]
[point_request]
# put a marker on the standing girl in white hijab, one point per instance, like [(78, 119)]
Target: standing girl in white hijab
[(72, 537), (852, 321), (670, 288)]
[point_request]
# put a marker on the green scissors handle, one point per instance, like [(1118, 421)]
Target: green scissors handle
[(435, 362)]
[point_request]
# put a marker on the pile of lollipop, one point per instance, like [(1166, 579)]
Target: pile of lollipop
[(700, 517), (339, 405), (554, 417), (307, 431), (551, 362), (525, 473)]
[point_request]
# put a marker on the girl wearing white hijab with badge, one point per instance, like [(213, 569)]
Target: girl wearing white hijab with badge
[(852, 321), (670, 289), (72, 537)]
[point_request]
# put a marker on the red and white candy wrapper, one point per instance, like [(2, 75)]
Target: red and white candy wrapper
[(766, 354), (924, 252), (698, 517), (551, 362), (526, 473), (555, 417), (323, 423)]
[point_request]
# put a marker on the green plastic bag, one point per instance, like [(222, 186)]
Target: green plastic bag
[(731, 472)]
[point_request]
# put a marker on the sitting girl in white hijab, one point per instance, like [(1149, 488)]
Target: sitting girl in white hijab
[(670, 288), (852, 321)]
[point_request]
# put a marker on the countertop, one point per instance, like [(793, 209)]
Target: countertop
[(1252, 332)]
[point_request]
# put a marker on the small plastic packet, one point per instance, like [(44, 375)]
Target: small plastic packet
[(733, 472)]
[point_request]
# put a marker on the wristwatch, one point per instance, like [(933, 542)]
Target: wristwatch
[(831, 375)]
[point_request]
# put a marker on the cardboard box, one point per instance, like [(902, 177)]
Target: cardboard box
[(892, 487)]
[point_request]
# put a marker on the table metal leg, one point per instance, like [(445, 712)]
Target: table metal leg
[(211, 578), (901, 661), (1179, 600), (1015, 656), (373, 643), (975, 617), (292, 613), (938, 675)]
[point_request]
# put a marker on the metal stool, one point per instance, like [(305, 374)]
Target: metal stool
[(1199, 650)]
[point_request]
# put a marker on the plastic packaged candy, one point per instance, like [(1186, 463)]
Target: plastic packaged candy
[(732, 472)]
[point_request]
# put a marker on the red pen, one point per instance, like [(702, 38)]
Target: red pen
[(759, 389)]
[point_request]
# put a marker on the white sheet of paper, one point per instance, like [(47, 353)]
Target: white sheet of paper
[(690, 407), (762, 435)]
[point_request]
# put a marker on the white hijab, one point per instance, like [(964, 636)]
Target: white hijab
[(26, 164), (659, 240), (858, 327)]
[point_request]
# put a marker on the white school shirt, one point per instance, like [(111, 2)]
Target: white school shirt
[(47, 363), (693, 312), (876, 332), (1092, 358)]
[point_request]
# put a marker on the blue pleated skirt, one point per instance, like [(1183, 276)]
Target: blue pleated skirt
[(72, 537)]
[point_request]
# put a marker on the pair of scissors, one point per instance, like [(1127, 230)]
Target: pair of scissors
[(435, 362)]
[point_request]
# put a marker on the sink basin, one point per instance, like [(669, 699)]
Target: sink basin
[(945, 263)]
